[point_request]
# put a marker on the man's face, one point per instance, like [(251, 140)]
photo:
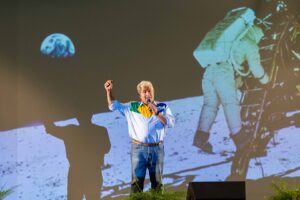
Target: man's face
[(146, 94)]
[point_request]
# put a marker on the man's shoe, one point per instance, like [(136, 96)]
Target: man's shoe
[(201, 141), (241, 140)]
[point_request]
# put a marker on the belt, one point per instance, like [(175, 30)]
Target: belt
[(146, 144), (218, 63)]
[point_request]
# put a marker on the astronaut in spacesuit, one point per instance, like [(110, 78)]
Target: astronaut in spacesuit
[(219, 87)]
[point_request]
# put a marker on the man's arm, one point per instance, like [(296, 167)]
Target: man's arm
[(54, 130), (108, 87), (253, 58), (166, 117), (170, 117), (113, 104), (162, 118), (159, 115)]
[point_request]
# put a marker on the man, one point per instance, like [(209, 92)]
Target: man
[(219, 87), (147, 121)]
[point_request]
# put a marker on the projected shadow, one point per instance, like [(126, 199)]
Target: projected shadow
[(86, 146)]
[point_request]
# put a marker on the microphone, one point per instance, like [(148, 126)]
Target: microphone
[(149, 101), (152, 102)]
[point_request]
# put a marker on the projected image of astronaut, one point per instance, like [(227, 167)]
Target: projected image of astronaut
[(223, 52), (278, 106)]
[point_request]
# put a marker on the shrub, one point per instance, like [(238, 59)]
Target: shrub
[(152, 195), (282, 192), (5, 193)]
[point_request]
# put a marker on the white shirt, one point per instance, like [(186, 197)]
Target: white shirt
[(142, 128)]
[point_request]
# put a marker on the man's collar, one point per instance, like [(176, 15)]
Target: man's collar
[(142, 103)]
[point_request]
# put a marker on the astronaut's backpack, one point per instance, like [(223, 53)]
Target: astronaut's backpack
[(217, 44)]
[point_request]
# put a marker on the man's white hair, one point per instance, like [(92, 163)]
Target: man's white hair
[(145, 84)]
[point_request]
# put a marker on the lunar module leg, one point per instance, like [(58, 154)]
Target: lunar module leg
[(253, 104), (252, 107)]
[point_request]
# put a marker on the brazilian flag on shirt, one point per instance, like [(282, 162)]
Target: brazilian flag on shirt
[(144, 109)]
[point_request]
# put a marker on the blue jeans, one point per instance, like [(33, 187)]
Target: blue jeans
[(143, 158)]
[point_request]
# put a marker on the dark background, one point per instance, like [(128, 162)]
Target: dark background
[(127, 41)]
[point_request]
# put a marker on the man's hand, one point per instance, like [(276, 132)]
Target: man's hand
[(108, 85), (160, 116), (152, 107)]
